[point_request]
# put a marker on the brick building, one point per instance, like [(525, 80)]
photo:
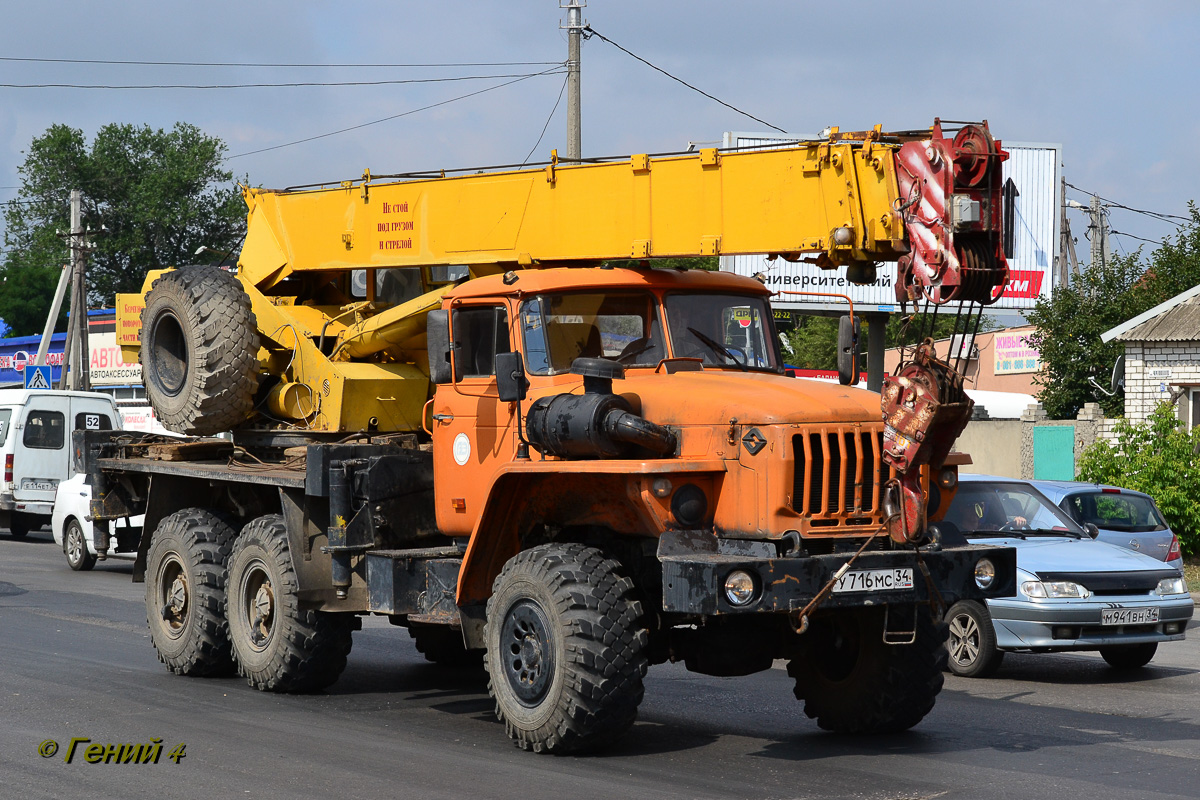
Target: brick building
[(1162, 357)]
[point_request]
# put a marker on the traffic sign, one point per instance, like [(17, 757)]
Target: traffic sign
[(37, 377)]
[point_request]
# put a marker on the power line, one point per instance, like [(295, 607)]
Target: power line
[(259, 85), (1156, 214), (547, 125), (1139, 238), (289, 66), (589, 31), (392, 117)]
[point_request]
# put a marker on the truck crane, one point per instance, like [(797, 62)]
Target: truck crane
[(450, 407)]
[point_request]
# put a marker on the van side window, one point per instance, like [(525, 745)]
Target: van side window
[(92, 421), (45, 430)]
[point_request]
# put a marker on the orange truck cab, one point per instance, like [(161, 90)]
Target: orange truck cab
[(649, 408)]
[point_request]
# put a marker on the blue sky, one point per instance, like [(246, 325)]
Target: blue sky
[(1115, 84)]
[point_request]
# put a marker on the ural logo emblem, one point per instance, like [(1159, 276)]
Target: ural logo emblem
[(754, 441)]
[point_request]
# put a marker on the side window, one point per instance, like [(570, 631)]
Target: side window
[(92, 421), (45, 430), (398, 285), (5, 417), (479, 334)]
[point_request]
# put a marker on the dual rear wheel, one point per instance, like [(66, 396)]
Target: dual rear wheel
[(219, 601)]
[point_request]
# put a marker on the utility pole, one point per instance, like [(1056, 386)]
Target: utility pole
[(77, 352), (575, 25), (1098, 229)]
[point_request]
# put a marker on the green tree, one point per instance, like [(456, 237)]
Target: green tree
[(158, 194), (1158, 457), (1070, 322), (813, 341)]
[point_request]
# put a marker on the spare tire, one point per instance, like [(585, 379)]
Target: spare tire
[(199, 351)]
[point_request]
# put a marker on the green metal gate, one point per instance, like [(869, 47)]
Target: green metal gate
[(1054, 452)]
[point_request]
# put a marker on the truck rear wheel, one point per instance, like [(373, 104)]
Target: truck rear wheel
[(199, 350), (278, 646), (851, 681), (185, 593), (566, 649)]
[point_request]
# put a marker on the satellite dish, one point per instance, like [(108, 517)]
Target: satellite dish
[(1118, 375)]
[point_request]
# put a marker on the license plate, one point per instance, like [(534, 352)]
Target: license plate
[(39, 486), (1128, 616), (875, 580)]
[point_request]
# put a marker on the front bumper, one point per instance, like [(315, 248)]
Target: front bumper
[(1075, 624), (695, 565)]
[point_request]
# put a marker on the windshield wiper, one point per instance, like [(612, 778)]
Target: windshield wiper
[(1001, 534), (1051, 532), (717, 347)]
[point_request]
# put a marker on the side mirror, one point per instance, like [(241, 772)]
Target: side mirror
[(510, 377), (1091, 529), (437, 329), (849, 354)]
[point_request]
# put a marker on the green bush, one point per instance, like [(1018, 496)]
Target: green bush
[(1157, 457)]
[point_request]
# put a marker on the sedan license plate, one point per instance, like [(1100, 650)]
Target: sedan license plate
[(1128, 616), (875, 580)]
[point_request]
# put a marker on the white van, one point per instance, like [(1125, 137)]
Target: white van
[(35, 443)]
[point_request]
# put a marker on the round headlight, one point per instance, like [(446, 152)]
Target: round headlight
[(985, 573), (689, 506), (740, 587), (661, 487), (948, 478)]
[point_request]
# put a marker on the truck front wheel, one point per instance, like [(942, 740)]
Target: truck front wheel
[(566, 649), (278, 646), (185, 593), (851, 681)]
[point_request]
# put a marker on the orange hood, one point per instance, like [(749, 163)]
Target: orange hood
[(714, 397)]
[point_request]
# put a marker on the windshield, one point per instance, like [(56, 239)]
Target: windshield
[(1128, 513), (558, 328), (725, 330), (982, 507)]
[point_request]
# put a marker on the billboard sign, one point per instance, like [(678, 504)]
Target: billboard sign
[(1034, 170), (107, 367), (1014, 354)]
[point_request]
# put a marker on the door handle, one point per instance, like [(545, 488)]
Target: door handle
[(443, 417)]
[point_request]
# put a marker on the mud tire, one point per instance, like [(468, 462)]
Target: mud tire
[(199, 351), (851, 682), (566, 649), (185, 593), (279, 646)]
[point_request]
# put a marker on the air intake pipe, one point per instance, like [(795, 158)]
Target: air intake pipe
[(596, 424)]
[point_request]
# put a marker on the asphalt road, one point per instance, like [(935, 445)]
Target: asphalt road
[(76, 661)]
